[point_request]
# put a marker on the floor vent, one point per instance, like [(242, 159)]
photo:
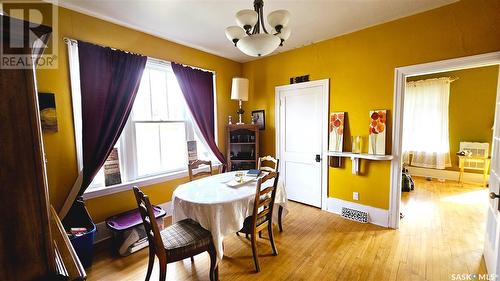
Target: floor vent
[(355, 215)]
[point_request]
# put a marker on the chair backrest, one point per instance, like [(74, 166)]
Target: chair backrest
[(264, 200), (273, 167), (150, 225), (196, 164)]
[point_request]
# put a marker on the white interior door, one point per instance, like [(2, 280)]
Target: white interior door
[(492, 240), (302, 126)]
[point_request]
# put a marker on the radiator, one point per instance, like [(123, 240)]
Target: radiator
[(480, 149)]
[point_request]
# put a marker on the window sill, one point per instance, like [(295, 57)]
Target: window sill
[(107, 190)]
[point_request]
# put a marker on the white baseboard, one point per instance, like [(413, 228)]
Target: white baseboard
[(103, 233), (445, 174), (375, 215)]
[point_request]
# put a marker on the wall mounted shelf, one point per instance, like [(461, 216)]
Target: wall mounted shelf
[(356, 156)]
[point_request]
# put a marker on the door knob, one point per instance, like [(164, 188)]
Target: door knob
[(494, 196), (318, 158)]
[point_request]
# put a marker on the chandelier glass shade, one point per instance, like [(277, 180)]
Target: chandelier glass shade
[(251, 36)]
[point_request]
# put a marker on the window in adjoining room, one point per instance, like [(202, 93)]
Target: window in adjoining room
[(425, 126)]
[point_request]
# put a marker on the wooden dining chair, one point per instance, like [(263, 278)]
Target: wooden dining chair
[(176, 242), (272, 166), (262, 215), (196, 164)]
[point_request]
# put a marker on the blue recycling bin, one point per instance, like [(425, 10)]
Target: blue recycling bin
[(78, 216), (84, 245)]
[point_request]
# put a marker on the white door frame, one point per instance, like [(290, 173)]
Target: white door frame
[(325, 84), (397, 137)]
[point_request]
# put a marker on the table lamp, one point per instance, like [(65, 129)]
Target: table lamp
[(239, 92)]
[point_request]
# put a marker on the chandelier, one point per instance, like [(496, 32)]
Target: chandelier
[(251, 36)]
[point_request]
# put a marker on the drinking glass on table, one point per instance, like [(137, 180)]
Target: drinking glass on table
[(239, 177)]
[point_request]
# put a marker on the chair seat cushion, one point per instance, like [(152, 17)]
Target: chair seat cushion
[(185, 238), (247, 224)]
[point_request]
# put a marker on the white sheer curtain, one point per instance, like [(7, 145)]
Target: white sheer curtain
[(76, 98), (425, 125)]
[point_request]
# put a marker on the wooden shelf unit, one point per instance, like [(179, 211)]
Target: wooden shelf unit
[(242, 142)]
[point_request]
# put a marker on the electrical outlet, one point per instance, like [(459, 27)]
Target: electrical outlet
[(355, 196)]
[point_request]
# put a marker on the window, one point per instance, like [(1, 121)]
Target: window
[(154, 140), (158, 124), (425, 124)]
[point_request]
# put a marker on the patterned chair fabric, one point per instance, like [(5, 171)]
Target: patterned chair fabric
[(185, 237), (181, 240)]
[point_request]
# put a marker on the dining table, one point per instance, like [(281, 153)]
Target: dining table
[(220, 207)]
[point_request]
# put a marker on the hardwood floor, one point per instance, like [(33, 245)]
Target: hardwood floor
[(441, 234)]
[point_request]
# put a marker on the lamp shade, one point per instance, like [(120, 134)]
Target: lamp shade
[(247, 18), (239, 89), (278, 18), (258, 44), (234, 32)]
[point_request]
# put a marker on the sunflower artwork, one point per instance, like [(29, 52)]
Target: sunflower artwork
[(376, 141), (336, 131)]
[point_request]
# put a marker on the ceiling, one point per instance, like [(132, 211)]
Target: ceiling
[(200, 23)]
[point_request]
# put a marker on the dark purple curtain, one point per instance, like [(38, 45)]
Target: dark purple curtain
[(109, 82), (198, 89)]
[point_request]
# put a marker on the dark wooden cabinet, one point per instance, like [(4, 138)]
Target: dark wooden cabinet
[(242, 146), (28, 247)]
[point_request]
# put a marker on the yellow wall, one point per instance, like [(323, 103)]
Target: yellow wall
[(472, 106), (60, 148), (361, 66)]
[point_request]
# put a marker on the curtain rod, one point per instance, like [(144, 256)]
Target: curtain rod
[(74, 41), (69, 41), (450, 79)]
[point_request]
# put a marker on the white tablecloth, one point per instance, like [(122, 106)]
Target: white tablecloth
[(219, 208)]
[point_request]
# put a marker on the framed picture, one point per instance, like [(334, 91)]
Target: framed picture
[(259, 118), (376, 141), (48, 116), (192, 152), (336, 136), (112, 174)]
